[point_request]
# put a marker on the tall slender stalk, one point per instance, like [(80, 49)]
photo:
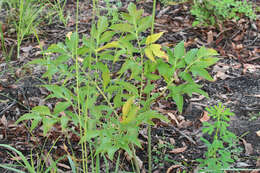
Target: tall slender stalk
[(149, 126), (75, 56)]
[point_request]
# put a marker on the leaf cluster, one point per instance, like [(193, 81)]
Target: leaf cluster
[(209, 12)]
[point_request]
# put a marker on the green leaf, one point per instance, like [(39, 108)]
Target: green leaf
[(132, 9), (64, 122), (204, 52), (128, 86), (106, 36), (196, 71), (27, 116), (186, 76), (102, 24), (153, 38), (57, 48), (60, 107), (176, 93), (106, 78), (206, 62), (113, 44), (41, 110), (105, 74), (165, 70), (149, 53), (179, 50), (72, 42), (191, 56), (146, 117), (144, 23), (35, 123), (178, 98), (90, 134), (123, 27), (47, 124)]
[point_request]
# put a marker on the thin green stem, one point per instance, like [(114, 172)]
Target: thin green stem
[(149, 126)]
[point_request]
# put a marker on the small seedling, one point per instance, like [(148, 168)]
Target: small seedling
[(218, 156)]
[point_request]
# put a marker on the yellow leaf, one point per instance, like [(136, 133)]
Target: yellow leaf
[(156, 48), (149, 53), (68, 35), (153, 38), (127, 106), (131, 116), (113, 44)]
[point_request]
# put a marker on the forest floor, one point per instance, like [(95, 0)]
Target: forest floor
[(236, 85)]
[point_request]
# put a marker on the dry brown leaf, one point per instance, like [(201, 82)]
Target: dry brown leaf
[(172, 141), (248, 147), (173, 117), (3, 120), (1, 88), (209, 37), (258, 133), (178, 150), (170, 169), (205, 117)]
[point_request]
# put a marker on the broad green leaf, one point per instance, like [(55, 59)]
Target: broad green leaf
[(146, 117), (122, 27), (64, 122), (179, 50), (178, 98), (191, 88), (153, 38), (47, 124), (90, 134), (186, 76), (35, 123), (102, 24), (201, 72), (41, 110), (148, 88), (106, 36), (156, 48), (133, 66), (113, 44), (72, 43), (105, 77), (127, 17), (176, 93), (171, 56), (106, 55), (127, 45), (128, 86), (28, 116), (206, 62), (165, 70), (132, 9), (144, 23), (118, 54), (127, 106), (60, 107), (181, 63), (204, 52), (57, 48), (191, 56), (149, 53)]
